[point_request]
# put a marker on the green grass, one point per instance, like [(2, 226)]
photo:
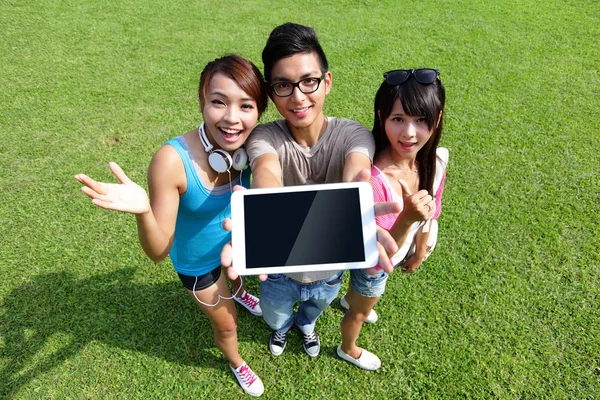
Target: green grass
[(507, 307)]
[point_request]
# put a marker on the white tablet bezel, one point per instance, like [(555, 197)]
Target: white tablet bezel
[(369, 229)]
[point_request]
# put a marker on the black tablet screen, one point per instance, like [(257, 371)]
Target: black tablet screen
[(306, 227)]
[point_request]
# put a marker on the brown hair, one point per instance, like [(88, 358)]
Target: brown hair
[(242, 71)]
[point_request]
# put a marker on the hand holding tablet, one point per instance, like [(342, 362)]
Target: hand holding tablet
[(303, 228)]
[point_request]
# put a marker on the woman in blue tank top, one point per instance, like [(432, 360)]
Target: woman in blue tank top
[(190, 180)]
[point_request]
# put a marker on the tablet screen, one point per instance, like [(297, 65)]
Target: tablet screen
[(300, 228)]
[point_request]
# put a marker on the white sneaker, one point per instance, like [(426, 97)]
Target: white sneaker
[(248, 380), (250, 303), (371, 319), (367, 360)]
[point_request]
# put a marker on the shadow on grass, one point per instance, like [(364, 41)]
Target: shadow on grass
[(159, 320)]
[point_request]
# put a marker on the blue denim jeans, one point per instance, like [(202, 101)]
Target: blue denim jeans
[(279, 294)]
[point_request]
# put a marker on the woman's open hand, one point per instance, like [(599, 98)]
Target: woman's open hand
[(125, 196)]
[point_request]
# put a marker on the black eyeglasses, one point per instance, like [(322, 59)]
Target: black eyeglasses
[(306, 86), (422, 75)]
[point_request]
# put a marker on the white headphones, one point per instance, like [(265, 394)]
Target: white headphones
[(219, 159)]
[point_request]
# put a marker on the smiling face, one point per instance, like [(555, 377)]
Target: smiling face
[(301, 111), (407, 134), (229, 113)]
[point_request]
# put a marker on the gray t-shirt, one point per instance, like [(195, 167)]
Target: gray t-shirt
[(321, 163)]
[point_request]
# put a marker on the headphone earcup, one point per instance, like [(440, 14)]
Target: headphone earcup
[(240, 159), (220, 160)]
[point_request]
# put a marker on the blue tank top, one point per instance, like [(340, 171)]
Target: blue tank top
[(199, 235)]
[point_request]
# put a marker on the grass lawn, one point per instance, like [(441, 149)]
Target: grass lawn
[(507, 307)]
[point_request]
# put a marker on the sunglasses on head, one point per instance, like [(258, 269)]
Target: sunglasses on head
[(422, 75)]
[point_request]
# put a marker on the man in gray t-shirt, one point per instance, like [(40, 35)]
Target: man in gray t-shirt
[(304, 147), (323, 162), (300, 165)]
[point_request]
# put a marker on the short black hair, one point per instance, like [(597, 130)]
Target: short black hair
[(289, 39)]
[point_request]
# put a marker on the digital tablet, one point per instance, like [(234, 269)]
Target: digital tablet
[(303, 228)]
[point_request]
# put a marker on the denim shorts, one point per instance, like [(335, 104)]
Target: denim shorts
[(368, 285)]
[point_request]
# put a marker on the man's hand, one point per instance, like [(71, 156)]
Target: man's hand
[(385, 242)]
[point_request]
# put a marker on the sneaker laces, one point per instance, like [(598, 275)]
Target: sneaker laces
[(249, 300), (279, 337), (247, 375), (310, 339)]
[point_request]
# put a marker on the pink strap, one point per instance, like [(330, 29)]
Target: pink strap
[(438, 198)]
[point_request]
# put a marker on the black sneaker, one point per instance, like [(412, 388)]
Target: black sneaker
[(311, 343), (277, 342)]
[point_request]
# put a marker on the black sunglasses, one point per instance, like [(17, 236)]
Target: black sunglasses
[(422, 75)]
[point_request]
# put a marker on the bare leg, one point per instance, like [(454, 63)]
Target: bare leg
[(237, 287), (223, 318), (360, 307)]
